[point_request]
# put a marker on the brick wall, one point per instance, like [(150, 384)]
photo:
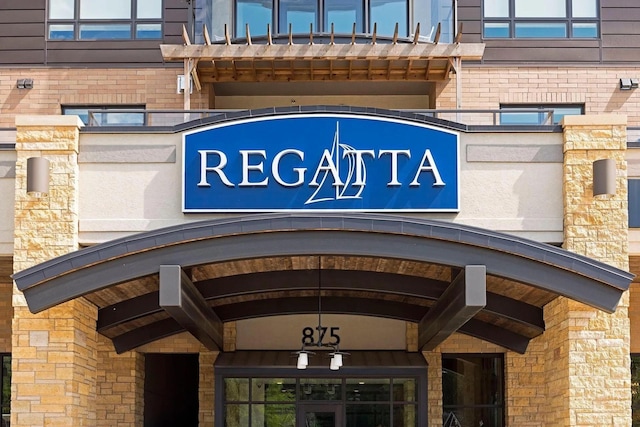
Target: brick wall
[(153, 87), (596, 87), (482, 88)]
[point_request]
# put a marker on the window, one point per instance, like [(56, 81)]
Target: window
[(343, 14), (91, 20), (100, 115), (635, 390), (634, 219), (556, 19), (548, 114), (473, 390), (364, 401), (5, 398)]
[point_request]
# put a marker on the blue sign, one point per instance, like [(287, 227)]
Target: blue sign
[(329, 162)]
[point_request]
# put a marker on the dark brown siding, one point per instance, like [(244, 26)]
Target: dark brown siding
[(175, 15), (22, 32), (620, 40), (23, 39), (621, 31), (469, 16)]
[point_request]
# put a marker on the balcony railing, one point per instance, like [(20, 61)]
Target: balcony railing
[(519, 117)]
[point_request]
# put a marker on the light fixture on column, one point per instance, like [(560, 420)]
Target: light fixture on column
[(604, 177), (37, 176), (308, 341)]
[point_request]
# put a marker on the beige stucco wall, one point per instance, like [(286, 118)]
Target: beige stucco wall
[(355, 332), (517, 193)]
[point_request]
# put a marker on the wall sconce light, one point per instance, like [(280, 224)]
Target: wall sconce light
[(37, 176), (604, 177), (628, 84), (181, 83), (24, 84)]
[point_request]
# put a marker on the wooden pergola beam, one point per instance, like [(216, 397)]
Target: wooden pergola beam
[(465, 51)]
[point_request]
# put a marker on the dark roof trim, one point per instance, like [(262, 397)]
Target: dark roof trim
[(385, 236)]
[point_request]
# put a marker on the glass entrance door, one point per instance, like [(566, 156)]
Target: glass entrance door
[(319, 415)]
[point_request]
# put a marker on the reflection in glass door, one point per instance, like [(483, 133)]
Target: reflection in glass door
[(321, 402), (320, 415)]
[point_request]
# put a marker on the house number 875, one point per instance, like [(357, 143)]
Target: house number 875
[(308, 336)]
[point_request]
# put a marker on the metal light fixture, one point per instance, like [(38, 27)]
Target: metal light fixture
[(604, 177), (37, 176), (304, 353), (629, 83), (24, 84), (303, 359)]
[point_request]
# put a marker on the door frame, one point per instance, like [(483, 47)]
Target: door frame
[(239, 364)]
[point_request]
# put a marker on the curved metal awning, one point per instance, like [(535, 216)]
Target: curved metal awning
[(444, 276)]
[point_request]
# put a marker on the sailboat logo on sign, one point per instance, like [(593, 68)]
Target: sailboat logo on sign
[(342, 155), (291, 163)]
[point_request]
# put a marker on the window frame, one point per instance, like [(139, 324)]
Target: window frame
[(504, 109), (635, 391), (633, 201), (76, 22), (500, 406), (5, 405), (569, 21), (321, 25), (113, 108)]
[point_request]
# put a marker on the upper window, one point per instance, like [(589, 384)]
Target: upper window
[(107, 115), (538, 114), (91, 20), (555, 19), (634, 222), (300, 16)]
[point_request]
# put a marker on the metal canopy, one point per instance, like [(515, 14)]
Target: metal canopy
[(462, 300), (537, 272)]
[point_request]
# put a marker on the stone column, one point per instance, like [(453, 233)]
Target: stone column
[(120, 388), (206, 387), (54, 353), (587, 360)]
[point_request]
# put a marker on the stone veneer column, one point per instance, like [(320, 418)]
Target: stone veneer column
[(54, 352), (587, 360), (206, 387), (120, 387)]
